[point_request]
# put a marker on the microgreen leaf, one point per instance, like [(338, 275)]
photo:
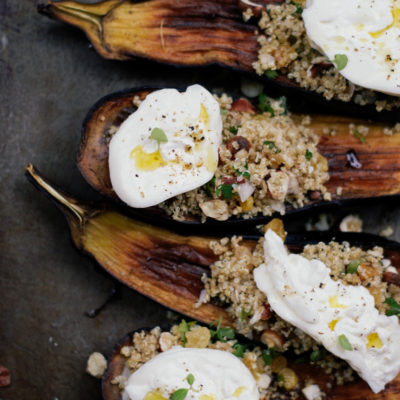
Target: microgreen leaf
[(234, 129), (341, 61), (190, 379), (353, 266), (226, 191), (394, 307), (183, 328), (358, 135), (159, 135), (271, 74), (308, 155), (210, 186), (245, 314), (344, 342), (224, 111), (222, 334), (245, 174), (179, 394), (271, 145), (264, 104)]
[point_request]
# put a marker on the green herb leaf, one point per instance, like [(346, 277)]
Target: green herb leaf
[(358, 135), (225, 190), (234, 129), (344, 342), (245, 314), (239, 349), (190, 379), (394, 307), (222, 334), (271, 145), (183, 328), (308, 155), (224, 111), (159, 135), (245, 174), (352, 267), (210, 186), (264, 104), (316, 355), (341, 61), (179, 394), (268, 356), (271, 74), (299, 9), (280, 378)]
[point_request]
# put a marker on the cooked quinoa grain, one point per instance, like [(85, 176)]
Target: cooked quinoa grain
[(284, 47)]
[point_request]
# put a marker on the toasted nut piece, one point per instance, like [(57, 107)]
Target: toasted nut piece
[(243, 105), (96, 365), (263, 381), (238, 143), (290, 379), (278, 364), (278, 185), (391, 277), (277, 226), (198, 337), (367, 272), (216, 209), (248, 204), (273, 339), (166, 341), (266, 313)]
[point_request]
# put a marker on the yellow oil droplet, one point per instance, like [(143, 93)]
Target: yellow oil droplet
[(360, 27), (374, 341), (334, 303), (212, 159), (395, 23), (147, 161), (332, 324), (154, 396), (239, 391), (206, 397), (204, 115), (339, 39)]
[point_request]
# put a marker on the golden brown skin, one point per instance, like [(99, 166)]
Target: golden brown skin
[(379, 156), (168, 268)]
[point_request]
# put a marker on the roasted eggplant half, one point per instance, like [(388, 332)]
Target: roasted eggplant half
[(169, 268), (192, 33), (359, 169)]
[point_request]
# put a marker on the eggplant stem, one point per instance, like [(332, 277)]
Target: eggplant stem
[(78, 211), (80, 14)]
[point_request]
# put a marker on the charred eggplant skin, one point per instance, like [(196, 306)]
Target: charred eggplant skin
[(378, 179), (191, 33)]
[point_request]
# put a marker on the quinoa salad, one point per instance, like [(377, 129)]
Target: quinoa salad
[(267, 162), (274, 378), (285, 49), (232, 285)]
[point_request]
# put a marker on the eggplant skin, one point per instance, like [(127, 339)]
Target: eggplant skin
[(379, 176)]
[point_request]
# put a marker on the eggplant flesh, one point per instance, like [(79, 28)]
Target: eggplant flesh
[(168, 268), (190, 33), (379, 156)]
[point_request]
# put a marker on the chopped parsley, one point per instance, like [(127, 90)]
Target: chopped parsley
[(226, 190), (394, 307), (234, 129), (268, 356), (221, 334), (210, 186), (341, 61), (308, 155), (344, 342), (353, 266), (245, 314), (271, 145), (239, 349), (317, 355), (271, 74), (264, 104), (299, 9), (159, 135), (224, 111), (245, 174), (358, 135)]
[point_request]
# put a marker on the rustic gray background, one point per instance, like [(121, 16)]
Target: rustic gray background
[(49, 77)]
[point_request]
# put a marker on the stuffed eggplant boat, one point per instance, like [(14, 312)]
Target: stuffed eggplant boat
[(338, 50), (336, 303), (194, 156)]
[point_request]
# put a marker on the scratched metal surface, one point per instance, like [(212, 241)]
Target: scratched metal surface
[(49, 77)]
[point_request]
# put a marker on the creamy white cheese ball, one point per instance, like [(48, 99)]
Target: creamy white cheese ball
[(366, 32), (341, 317), (217, 375), (167, 147)]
